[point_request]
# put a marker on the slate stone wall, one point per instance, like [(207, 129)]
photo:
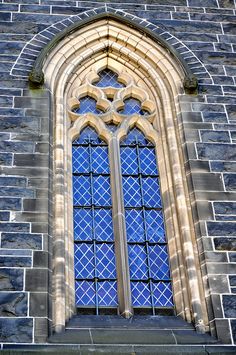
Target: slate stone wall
[(208, 123)]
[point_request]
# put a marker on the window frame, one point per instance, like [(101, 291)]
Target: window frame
[(188, 291)]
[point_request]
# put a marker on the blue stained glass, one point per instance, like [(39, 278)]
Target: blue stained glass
[(141, 295), (159, 263), (129, 160), (95, 269), (151, 192), (84, 261), (106, 268), (100, 163), (132, 192), (155, 226), (108, 78), (162, 294), (103, 225), (132, 106), (107, 293), (148, 260), (87, 104), (85, 293), (102, 193), (82, 190), (88, 135), (135, 225), (138, 262), (83, 224), (80, 159), (148, 164), (136, 137)]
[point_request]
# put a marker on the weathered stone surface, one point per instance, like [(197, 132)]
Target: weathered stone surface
[(7, 261), (21, 241), (36, 280), (12, 181), (11, 279), (223, 166), (214, 136), (225, 207), (19, 124), (216, 151), (230, 182), (38, 304), (5, 159), (221, 228), (229, 304), (10, 203), (13, 304), (17, 192), (225, 244), (232, 280), (16, 330)]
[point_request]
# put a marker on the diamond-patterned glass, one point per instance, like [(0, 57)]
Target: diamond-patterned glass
[(132, 106), (138, 262), (85, 293), (87, 104), (151, 192), (83, 224), (84, 261), (102, 191), (80, 159), (103, 225), (108, 78), (95, 268), (129, 160), (148, 165), (82, 190), (135, 225), (162, 294), (106, 268), (148, 256), (107, 293), (100, 163), (141, 295), (132, 192), (159, 263), (155, 226)]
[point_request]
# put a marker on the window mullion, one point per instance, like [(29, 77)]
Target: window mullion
[(121, 249)]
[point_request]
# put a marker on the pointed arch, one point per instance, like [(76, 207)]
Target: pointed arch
[(158, 72)]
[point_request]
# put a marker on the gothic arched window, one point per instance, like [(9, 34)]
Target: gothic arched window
[(106, 279)]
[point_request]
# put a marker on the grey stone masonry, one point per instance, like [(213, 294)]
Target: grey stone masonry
[(203, 33)]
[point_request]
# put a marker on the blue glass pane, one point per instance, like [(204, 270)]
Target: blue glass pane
[(106, 268), (102, 193), (138, 262), (135, 136), (82, 190), (84, 261), (85, 293), (134, 225), (162, 294), (88, 135), (103, 225), (148, 162), (107, 293), (155, 226), (108, 78), (141, 295), (87, 104), (129, 161), (132, 193), (132, 106), (151, 192), (83, 224), (80, 159), (100, 163), (159, 263)]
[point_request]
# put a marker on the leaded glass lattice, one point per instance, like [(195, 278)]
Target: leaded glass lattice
[(95, 270), (108, 78), (147, 249)]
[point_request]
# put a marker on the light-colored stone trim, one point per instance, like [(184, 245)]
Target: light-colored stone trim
[(156, 71)]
